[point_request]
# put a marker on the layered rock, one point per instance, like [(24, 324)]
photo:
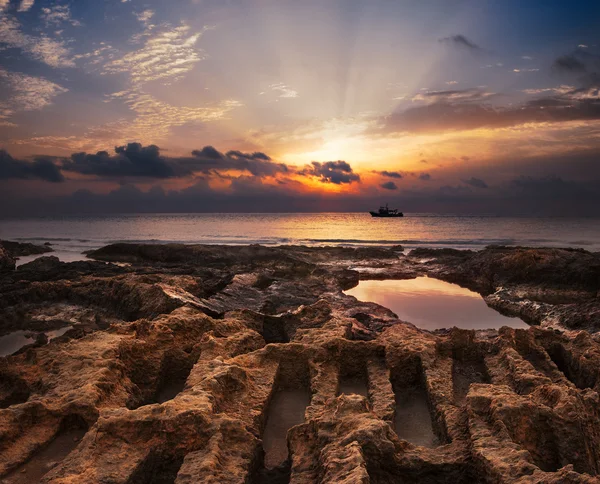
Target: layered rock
[(191, 354)]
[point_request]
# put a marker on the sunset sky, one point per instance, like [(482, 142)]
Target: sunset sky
[(330, 105)]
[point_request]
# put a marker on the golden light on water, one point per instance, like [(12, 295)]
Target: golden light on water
[(433, 304)]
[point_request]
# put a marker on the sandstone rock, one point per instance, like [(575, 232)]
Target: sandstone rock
[(187, 353)]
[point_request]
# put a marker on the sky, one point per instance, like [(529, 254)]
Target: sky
[(446, 106)]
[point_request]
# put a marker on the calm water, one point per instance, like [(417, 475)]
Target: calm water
[(13, 342), (285, 411), (72, 235), (433, 304)]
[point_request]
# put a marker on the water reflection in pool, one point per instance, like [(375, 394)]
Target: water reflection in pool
[(13, 342), (433, 304)]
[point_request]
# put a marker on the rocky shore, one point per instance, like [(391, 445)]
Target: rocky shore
[(183, 364)]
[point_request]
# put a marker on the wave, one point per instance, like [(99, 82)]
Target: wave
[(74, 243), (418, 241), (49, 239)]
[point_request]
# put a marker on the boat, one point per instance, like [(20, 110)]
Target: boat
[(386, 212)]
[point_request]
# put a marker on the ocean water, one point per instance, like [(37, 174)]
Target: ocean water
[(70, 236)]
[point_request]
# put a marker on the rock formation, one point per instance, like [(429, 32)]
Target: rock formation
[(20, 249), (185, 361), (7, 263)]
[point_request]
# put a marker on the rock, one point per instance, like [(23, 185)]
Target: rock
[(21, 249), (183, 361), (7, 263), (41, 339), (42, 264)]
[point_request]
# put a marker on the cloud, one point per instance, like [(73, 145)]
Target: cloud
[(450, 96), (389, 174), (548, 185), (476, 182), (145, 16), (548, 194), (522, 194), (42, 48), (137, 161), (337, 172), (132, 160), (167, 56), (208, 152), (568, 63), (453, 113), (283, 90), (208, 159), (155, 119), (389, 185), (58, 14), (425, 176), (449, 192), (563, 89), (26, 5), (12, 169), (460, 41), (27, 93)]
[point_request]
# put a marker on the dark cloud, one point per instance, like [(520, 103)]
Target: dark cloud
[(476, 182), (460, 41), (569, 63), (40, 169), (452, 191), (337, 172), (519, 195), (132, 160), (582, 63), (208, 159), (553, 195), (135, 160), (208, 152), (390, 174), (546, 186), (248, 156), (389, 185), (425, 176)]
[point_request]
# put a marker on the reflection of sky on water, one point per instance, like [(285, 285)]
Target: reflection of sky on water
[(14, 341), (433, 304)]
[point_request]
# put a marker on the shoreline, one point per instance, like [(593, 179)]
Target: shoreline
[(354, 229), (532, 297)]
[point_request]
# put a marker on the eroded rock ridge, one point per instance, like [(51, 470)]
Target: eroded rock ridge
[(182, 362)]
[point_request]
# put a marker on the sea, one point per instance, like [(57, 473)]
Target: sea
[(71, 236)]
